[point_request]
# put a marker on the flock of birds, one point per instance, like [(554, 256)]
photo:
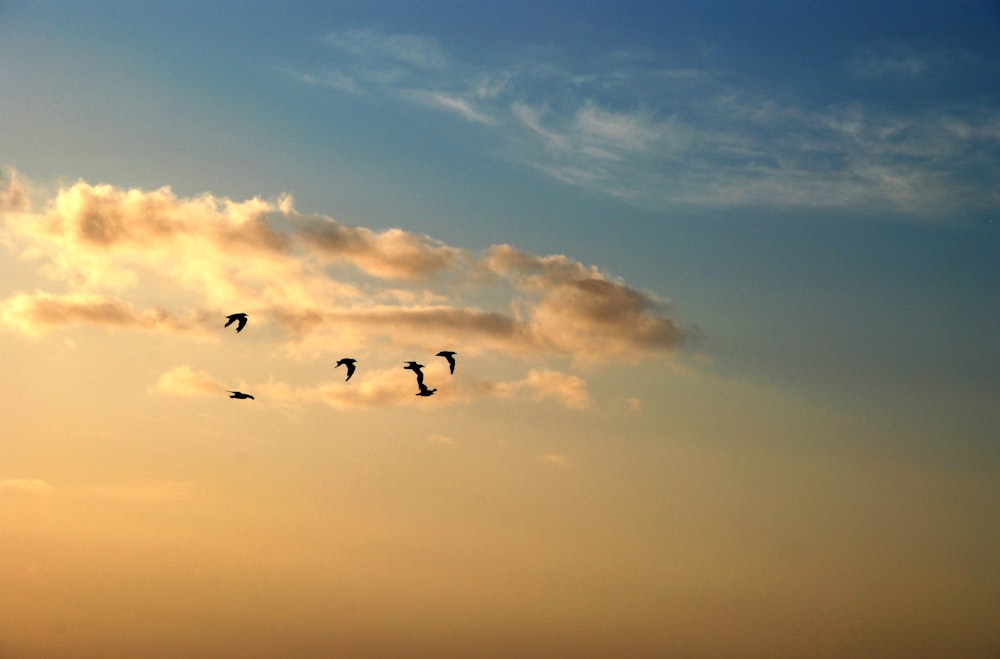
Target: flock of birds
[(423, 390)]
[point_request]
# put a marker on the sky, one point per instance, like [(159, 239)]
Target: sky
[(722, 279)]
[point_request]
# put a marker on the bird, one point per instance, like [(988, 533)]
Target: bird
[(424, 391), (450, 356), (415, 367), (240, 318), (240, 394), (349, 363)]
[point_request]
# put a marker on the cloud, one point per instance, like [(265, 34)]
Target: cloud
[(370, 389), (570, 390), (451, 103), (581, 309), (26, 485), (334, 79), (375, 387), (656, 136), (408, 49), (897, 61), (554, 459), (617, 131), (189, 259), (13, 195), (33, 314), (392, 254), (185, 381)]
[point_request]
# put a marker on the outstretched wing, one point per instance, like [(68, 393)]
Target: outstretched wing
[(450, 356), (240, 318)]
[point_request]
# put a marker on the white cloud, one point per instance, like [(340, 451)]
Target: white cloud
[(630, 131), (450, 103), (334, 79), (410, 49), (896, 61)]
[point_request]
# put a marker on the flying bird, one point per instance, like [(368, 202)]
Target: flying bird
[(424, 391), (240, 318), (349, 363), (415, 367), (450, 356), (240, 394)]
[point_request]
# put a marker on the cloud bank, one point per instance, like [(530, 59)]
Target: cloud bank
[(150, 261)]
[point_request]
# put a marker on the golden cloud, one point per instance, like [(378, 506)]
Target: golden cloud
[(103, 249)]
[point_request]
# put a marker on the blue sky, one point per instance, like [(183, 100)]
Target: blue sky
[(664, 225)]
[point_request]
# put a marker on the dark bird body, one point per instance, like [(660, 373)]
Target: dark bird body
[(415, 367), (450, 356), (240, 394), (240, 318), (424, 391), (349, 363)]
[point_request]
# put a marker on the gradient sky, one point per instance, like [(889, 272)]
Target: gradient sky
[(723, 279)]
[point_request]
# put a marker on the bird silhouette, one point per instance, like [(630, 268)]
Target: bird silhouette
[(424, 391), (240, 318), (450, 356), (240, 394), (349, 363), (415, 367)]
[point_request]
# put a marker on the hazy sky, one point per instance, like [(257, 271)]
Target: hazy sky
[(723, 279)]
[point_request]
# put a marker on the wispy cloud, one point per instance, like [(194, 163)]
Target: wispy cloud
[(13, 195), (410, 49), (896, 61), (658, 136), (457, 105)]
